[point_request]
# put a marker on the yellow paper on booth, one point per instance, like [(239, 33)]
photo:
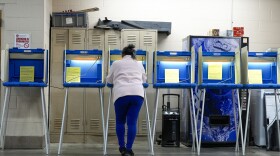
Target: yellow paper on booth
[(215, 71), (255, 76), (26, 74), (171, 75), (73, 74)]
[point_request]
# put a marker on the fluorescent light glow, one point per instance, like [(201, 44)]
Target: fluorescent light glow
[(173, 63), (85, 62), (213, 63)]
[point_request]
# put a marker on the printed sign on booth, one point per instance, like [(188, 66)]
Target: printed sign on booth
[(22, 41)]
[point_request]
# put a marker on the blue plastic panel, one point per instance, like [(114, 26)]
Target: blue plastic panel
[(15, 64), (84, 52), (173, 53), (269, 71), (228, 74), (218, 54), (184, 70), (184, 67), (91, 70), (24, 84), (261, 86), (115, 52), (119, 52), (262, 54), (17, 50), (84, 85), (220, 85), (14, 69)]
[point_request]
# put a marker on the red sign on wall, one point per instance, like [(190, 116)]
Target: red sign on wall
[(22, 41), (238, 31)]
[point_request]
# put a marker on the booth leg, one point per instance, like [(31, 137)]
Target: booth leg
[(194, 119), (150, 141), (277, 117), (5, 116), (235, 121), (198, 107), (201, 122), (240, 121), (63, 121), (102, 116), (45, 121), (192, 126), (155, 116), (107, 122)]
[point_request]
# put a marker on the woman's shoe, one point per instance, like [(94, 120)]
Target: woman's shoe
[(122, 150), (129, 153)]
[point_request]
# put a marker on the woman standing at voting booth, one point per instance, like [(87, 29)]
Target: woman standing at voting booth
[(127, 76)]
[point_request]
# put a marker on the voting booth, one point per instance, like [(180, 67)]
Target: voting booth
[(82, 69), (26, 68), (219, 70), (141, 57), (218, 101), (260, 70), (174, 70)]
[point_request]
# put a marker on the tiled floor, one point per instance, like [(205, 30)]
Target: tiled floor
[(140, 149)]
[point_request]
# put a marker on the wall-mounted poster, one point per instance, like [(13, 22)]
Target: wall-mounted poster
[(22, 41)]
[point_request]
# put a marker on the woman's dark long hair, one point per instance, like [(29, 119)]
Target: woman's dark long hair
[(129, 50)]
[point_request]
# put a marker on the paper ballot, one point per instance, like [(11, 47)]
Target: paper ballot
[(26, 74), (215, 71), (255, 76), (171, 75), (73, 74)]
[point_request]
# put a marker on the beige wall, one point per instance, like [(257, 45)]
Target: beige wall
[(259, 17)]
